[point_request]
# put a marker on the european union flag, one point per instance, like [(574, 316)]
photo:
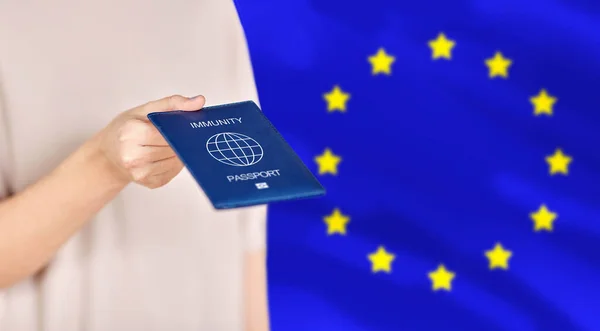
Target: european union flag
[(458, 143)]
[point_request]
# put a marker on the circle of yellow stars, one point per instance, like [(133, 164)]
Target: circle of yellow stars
[(498, 66)]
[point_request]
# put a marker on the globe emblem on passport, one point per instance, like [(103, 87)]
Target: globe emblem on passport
[(234, 149)]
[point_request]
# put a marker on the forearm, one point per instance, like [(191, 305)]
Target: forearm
[(36, 222), (255, 284)]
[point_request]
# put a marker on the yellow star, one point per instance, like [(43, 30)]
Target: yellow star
[(559, 162), (441, 47), (336, 99), (498, 65), (543, 103), (543, 219), (336, 222), (381, 62), (441, 278), (498, 257), (381, 260), (328, 162)]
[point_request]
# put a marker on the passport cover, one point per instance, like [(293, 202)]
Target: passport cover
[(236, 155)]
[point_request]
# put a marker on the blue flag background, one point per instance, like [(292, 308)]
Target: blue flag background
[(439, 162)]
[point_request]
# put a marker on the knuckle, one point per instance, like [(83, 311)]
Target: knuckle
[(139, 131), (130, 161), (150, 135), (174, 101), (130, 128), (131, 156), (139, 174), (122, 135), (142, 109), (171, 102)]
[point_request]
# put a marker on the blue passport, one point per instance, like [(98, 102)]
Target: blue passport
[(236, 155)]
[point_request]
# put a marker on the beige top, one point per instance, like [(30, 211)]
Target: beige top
[(152, 259)]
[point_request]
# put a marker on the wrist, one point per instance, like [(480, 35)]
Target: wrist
[(102, 166)]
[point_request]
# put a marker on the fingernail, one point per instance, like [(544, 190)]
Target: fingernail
[(192, 98)]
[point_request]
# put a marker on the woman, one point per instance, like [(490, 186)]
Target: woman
[(99, 227)]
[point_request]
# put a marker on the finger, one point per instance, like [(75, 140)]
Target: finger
[(174, 102), (155, 154), (141, 133), (158, 167), (152, 137), (142, 156), (160, 179)]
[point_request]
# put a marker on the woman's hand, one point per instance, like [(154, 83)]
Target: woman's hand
[(37, 221), (137, 150)]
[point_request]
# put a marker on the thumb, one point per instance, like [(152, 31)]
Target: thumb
[(174, 102), (192, 104)]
